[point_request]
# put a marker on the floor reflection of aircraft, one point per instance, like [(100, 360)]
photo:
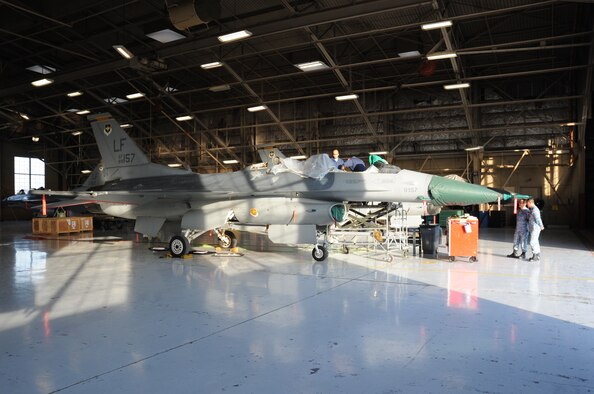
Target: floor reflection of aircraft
[(292, 201)]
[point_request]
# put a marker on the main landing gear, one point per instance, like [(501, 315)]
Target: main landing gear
[(179, 245)]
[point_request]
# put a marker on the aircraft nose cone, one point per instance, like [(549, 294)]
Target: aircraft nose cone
[(444, 191)]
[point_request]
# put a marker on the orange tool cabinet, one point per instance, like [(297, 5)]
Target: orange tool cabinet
[(463, 238)]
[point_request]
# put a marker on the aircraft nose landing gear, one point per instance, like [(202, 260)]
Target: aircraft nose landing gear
[(319, 253)]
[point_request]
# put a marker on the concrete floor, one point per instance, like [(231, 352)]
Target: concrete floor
[(103, 315)]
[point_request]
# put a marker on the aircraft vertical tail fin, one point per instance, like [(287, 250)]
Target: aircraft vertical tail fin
[(116, 147)]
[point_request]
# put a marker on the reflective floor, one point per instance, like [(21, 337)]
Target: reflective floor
[(104, 314)]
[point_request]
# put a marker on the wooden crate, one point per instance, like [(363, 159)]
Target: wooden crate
[(65, 225)]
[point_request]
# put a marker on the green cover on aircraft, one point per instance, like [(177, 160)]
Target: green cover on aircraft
[(444, 191)]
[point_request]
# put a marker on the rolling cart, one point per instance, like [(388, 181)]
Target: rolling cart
[(463, 238)]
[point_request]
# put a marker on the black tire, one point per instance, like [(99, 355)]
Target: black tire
[(452, 258), (228, 240), (319, 253), (472, 259), (179, 246), (345, 249)]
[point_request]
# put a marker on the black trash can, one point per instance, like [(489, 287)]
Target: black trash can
[(430, 238)]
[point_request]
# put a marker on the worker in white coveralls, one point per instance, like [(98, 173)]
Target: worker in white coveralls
[(535, 226)]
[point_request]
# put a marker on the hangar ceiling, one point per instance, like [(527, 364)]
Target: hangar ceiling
[(528, 67)]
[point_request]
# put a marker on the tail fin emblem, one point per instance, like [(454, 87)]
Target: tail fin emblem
[(107, 129)]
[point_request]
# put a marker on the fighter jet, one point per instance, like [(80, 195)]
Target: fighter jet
[(292, 203)]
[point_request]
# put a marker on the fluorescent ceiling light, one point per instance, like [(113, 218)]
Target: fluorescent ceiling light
[(174, 165), (75, 133), (383, 152), (125, 53), (35, 139), (165, 36), (238, 35), (42, 82), (219, 88), (133, 96), (171, 89), (73, 110), (436, 25), (41, 69), (85, 171), (74, 94), (24, 116), (564, 124), (312, 66), (463, 85), (230, 161), (208, 66), (115, 100), (299, 157), (125, 125), (441, 55), (83, 112), (410, 54), (472, 148), (184, 117), (257, 108), (347, 97)]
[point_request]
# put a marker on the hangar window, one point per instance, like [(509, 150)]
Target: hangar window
[(29, 173)]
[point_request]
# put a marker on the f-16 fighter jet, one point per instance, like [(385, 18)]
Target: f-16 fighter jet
[(291, 202)]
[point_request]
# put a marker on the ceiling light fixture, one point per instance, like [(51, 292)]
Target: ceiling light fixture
[(42, 82), (312, 66), (347, 97), (133, 96), (208, 66), (75, 133), (564, 124), (462, 85), (83, 112), (24, 116), (238, 35), (35, 139), (85, 171), (298, 157), (383, 152), (410, 54), (166, 35), (74, 94), (125, 125), (473, 148), (257, 108), (219, 88), (436, 25), (41, 69), (441, 55), (184, 117), (125, 53), (174, 165), (230, 161)]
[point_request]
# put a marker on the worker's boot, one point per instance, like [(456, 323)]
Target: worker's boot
[(523, 255), (513, 255), (535, 257)]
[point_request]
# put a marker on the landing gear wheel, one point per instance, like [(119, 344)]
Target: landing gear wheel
[(228, 240), (472, 259), (319, 253), (179, 246), (452, 258)]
